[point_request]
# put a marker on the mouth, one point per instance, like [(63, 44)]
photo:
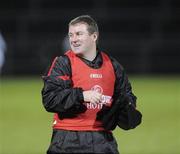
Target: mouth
[(76, 45)]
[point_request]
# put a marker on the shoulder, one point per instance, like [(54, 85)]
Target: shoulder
[(63, 60), (60, 64), (116, 64)]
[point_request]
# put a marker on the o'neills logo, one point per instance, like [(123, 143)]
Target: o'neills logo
[(95, 75), (105, 100), (97, 88)]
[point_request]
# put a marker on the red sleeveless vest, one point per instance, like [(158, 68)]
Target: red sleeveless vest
[(101, 80)]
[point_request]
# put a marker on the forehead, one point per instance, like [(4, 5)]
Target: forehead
[(78, 27)]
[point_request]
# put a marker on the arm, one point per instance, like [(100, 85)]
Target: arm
[(58, 96), (112, 116), (126, 114), (122, 86)]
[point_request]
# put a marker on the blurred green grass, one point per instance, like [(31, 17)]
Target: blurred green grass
[(25, 127)]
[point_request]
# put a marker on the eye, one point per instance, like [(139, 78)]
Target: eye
[(70, 35), (79, 33)]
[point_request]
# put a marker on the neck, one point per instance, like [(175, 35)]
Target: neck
[(90, 55)]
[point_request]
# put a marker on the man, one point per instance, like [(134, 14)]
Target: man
[(82, 87)]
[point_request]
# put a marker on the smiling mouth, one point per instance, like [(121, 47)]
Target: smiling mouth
[(76, 45)]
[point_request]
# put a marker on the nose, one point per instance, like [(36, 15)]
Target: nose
[(74, 38)]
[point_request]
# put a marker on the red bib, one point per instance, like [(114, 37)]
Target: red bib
[(101, 80)]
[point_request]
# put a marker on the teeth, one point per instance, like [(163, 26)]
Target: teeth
[(76, 45)]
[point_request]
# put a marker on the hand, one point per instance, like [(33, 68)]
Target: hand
[(92, 96)]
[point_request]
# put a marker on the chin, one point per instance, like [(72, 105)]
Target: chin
[(77, 51)]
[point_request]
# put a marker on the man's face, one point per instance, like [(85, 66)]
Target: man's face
[(80, 39)]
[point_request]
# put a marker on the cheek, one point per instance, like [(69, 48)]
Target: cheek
[(70, 40), (87, 40)]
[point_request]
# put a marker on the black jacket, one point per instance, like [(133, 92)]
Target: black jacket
[(60, 97)]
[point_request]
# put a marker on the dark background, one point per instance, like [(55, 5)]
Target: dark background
[(144, 35)]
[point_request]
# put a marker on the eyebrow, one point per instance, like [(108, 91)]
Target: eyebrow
[(75, 32)]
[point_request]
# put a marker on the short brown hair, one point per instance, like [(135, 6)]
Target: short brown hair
[(89, 21)]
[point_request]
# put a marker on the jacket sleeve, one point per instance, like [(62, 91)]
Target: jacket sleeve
[(123, 96), (58, 94), (122, 86), (126, 115)]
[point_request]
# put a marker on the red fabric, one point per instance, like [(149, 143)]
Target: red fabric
[(101, 80), (53, 63), (65, 77)]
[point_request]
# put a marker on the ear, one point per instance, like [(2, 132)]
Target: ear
[(95, 36)]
